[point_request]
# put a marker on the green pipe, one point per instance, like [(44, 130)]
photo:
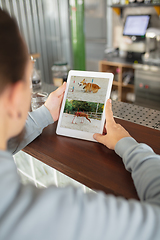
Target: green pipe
[(77, 33)]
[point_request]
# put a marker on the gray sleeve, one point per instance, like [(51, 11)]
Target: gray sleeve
[(144, 166), (35, 123)]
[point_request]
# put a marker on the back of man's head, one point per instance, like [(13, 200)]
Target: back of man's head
[(13, 51)]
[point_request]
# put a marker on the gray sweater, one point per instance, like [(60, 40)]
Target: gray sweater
[(67, 213)]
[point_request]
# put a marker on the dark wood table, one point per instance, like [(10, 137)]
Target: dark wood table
[(91, 163)]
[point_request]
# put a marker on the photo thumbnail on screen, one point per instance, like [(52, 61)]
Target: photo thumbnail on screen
[(82, 115)]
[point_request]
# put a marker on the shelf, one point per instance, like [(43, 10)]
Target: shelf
[(119, 7), (128, 86), (134, 5), (115, 83), (104, 66), (120, 64)]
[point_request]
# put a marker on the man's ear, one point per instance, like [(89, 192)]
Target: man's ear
[(14, 96)]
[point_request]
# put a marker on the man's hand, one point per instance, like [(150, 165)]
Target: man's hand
[(115, 131), (53, 103)]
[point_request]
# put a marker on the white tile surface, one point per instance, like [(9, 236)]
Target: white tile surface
[(34, 171)]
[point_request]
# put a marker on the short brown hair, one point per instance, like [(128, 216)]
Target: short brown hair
[(13, 51)]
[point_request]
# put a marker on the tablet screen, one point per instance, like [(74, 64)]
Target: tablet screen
[(84, 103)]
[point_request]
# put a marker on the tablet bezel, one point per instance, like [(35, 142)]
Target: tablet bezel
[(76, 133)]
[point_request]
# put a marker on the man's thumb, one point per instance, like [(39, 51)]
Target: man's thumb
[(61, 90), (99, 138)]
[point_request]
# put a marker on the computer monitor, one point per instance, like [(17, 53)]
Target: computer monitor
[(136, 26)]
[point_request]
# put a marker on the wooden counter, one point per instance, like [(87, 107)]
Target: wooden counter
[(91, 163)]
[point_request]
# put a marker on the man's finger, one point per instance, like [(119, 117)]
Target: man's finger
[(61, 90), (108, 112), (99, 138), (61, 98)]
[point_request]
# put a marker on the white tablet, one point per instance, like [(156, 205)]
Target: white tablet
[(82, 112)]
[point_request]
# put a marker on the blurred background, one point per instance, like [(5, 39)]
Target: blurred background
[(80, 34)]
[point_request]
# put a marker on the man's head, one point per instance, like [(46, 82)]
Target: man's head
[(15, 73)]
